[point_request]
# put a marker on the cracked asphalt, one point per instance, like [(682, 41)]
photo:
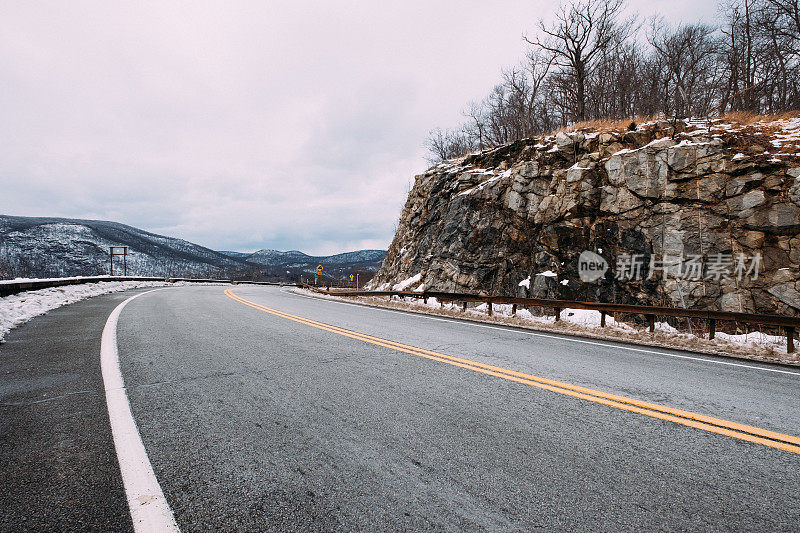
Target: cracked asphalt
[(254, 422)]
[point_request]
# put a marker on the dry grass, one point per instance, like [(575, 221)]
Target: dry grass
[(746, 118), (742, 118)]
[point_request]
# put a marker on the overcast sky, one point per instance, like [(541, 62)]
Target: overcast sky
[(245, 125)]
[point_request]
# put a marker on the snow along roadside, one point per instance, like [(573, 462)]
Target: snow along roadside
[(586, 324), (19, 308)]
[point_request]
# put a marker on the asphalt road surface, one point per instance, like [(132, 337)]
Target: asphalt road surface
[(265, 410)]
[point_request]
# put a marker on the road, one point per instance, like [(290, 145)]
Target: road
[(265, 410)]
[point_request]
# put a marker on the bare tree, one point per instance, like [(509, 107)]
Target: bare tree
[(476, 127), (581, 31), (687, 52), (525, 85), (790, 12), (778, 22), (447, 144)]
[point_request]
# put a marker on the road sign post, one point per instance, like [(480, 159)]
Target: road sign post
[(119, 251)]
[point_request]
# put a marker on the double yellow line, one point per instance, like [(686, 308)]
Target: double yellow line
[(744, 432)]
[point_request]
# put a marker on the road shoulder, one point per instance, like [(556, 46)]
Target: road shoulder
[(58, 467)]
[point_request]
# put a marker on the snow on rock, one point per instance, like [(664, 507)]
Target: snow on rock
[(789, 131), (19, 308), (486, 183), (403, 285), (577, 166), (526, 283), (547, 274)]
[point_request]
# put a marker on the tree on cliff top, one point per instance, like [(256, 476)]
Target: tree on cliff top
[(592, 64), (580, 33), (688, 55)]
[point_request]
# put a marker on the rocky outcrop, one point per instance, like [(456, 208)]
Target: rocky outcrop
[(679, 201)]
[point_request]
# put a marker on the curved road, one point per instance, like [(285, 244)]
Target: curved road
[(261, 409)]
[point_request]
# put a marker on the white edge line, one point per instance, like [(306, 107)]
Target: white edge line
[(564, 336), (149, 509)]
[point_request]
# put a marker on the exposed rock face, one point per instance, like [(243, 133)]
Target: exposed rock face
[(490, 220)]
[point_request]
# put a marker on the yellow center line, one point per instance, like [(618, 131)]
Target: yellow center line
[(687, 418)]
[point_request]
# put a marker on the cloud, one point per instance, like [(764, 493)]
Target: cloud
[(240, 125)]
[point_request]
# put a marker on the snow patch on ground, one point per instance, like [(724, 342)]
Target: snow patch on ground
[(21, 280), (586, 323), (19, 308)]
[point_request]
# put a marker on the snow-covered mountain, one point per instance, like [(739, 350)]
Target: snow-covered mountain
[(362, 261), (56, 247), (53, 247)]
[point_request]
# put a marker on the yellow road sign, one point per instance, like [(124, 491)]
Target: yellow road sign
[(319, 268), (351, 277)]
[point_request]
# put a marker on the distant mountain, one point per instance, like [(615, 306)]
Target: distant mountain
[(54, 247), (71, 247), (336, 266), (237, 255), (275, 257)]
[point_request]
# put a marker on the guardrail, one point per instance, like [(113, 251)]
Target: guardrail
[(8, 288), (790, 324)]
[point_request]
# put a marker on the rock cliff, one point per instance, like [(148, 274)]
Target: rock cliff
[(678, 211)]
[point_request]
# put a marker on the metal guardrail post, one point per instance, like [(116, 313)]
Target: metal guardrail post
[(789, 323)]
